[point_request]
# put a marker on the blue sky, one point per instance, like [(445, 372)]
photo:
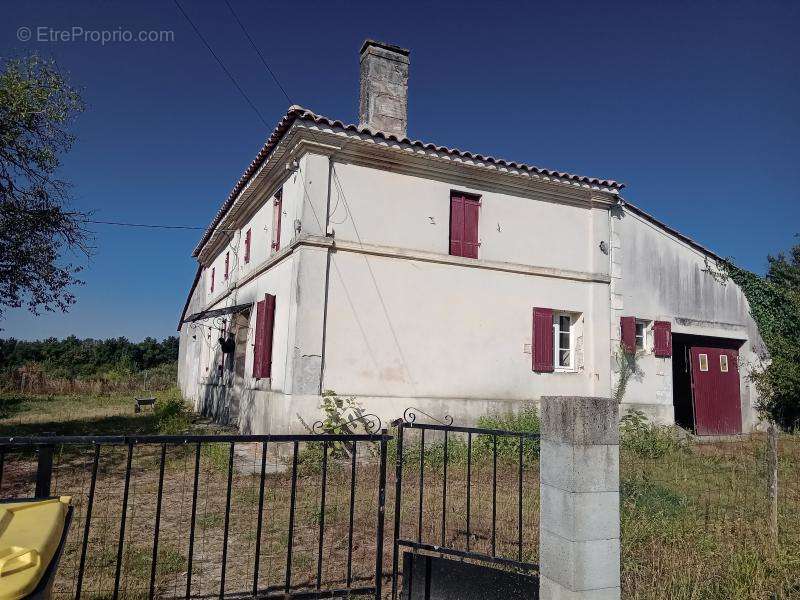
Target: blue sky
[(692, 104)]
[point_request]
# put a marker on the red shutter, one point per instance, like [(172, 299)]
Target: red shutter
[(627, 326), (213, 272), (662, 338), (464, 211), (247, 246), (470, 243), (258, 351), (542, 350), (269, 325), (456, 224), (276, 221), (227, 263)]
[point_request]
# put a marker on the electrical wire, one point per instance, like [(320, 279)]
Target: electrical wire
[(149, 225), (221, 64), (261, 56)]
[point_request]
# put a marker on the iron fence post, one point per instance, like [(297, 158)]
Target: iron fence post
[(44, 470), (398, 490), (381, 511)]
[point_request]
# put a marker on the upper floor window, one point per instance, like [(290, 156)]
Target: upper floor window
[(213, 273), (227, 264), (276, 220), (247, 246), (464, 209)]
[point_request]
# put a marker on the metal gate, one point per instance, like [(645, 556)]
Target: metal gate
[(468, 491)]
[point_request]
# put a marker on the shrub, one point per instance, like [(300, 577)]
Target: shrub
[(526, 420), (646, 439), (172, 414)]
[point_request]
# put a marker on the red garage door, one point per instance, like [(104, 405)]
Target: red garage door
[(715, 389)]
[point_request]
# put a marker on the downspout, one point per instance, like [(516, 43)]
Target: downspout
[(327, 276), (620, 203)]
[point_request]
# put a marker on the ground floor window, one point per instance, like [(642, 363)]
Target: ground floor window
[(563, 343), (641, 335)]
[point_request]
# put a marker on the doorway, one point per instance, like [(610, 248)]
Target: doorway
[(705, 384)]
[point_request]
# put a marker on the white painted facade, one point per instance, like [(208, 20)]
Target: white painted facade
[(370, 303)]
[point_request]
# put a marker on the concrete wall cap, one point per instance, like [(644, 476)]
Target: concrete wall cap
[(580, 420)]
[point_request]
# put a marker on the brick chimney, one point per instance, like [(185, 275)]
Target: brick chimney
[(384, 88)]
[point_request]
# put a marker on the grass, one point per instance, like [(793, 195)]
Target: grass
[(694, 522), (113, 414), (692, 515)]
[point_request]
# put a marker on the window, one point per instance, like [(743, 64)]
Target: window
[(562, 341), (640, 335), (227, 264), (213, 272), (703, 360), (247, 246), (265, 321), (723, 363), (276, 220), (464, 209)]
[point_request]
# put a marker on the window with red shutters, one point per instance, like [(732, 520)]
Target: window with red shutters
[(269, 317), (542, 350), (276, 220), (227, 263), (627, 326), (247, 246), (265, 323), (258, 342), (662, 339), (464, 210), (213, 272)]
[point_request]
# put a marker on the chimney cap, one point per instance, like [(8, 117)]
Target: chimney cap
[(390, 47)]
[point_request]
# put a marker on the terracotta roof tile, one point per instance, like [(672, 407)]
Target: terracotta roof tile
[(299, 113)]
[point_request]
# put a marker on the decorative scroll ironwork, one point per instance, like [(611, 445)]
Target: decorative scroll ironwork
[(372, 424), (410, 416)]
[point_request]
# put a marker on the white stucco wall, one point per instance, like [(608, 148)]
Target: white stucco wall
[(403, 329), (657, 276), (411, 212)]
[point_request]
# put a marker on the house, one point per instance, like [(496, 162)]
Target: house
[(352, 258)]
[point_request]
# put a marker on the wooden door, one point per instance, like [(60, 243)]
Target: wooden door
[(715, 391)]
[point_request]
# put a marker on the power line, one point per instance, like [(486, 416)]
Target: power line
[(148, 225), (221, 64), (261, 56)]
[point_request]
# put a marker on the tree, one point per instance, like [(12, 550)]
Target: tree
[(785, 271), (37, 228), (775, 306)]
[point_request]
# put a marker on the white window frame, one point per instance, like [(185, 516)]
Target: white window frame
[(557, 366), (643, 337)]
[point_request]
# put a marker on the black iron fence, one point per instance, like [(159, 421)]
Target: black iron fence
[(298, 516), (443, 471), (201, 516)]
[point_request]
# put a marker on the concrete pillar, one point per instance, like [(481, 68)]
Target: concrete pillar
[(579, 547)]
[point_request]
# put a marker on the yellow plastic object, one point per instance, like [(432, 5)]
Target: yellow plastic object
[(30, 532)]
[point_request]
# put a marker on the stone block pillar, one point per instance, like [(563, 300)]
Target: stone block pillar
[(579, 547)]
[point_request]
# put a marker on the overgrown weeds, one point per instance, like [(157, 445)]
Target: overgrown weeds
[(646, 439)]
